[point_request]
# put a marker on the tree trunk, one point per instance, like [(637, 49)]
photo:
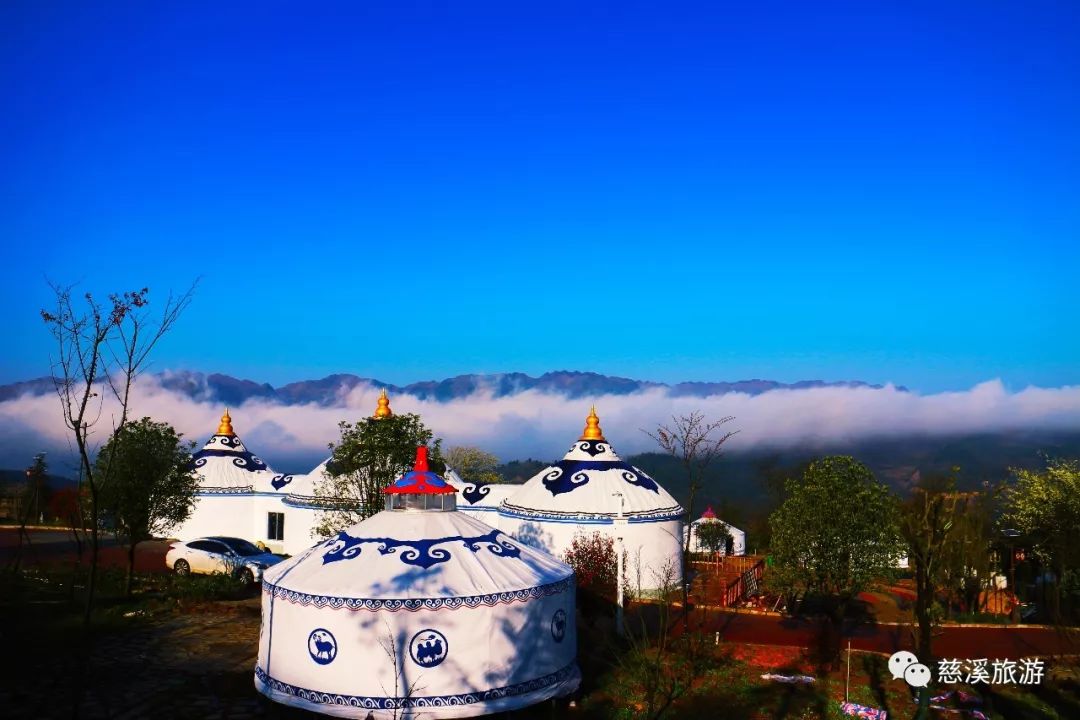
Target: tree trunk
[(91, 581), (23, 534), (686, 556), (924, 598), (130, 568)]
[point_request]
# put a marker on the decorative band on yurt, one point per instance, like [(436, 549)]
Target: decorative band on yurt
[(391, 703), (414, 604)]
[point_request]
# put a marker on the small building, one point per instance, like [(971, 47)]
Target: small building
[(418, 611), (736, 544), (593, 490)]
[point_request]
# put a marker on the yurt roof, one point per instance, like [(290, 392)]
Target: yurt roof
[(706, 517), (477, 496), (300, 487), (225, 464), (586, 483), (415, 558)]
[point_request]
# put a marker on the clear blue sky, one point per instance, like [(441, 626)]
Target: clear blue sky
[(664, 191)]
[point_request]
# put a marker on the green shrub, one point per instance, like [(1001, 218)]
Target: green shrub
[(203, 588)]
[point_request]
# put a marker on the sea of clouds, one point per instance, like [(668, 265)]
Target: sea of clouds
[(539, 425)]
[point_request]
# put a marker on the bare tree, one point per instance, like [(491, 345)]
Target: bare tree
[(401, 704), (695, 442), (101, 348)]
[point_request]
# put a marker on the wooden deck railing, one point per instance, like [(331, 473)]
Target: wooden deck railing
[(746, 584), (726, 563)]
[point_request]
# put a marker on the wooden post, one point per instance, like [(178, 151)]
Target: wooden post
[(847, 680)]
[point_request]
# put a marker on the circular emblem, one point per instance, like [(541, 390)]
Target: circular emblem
[(322, 646), (558, 625), (428, 648)]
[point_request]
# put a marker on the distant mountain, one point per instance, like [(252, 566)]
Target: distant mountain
[(328, 391)]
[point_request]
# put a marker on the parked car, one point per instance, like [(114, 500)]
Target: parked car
[(229, 555)]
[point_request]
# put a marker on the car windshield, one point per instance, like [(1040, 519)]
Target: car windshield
[(242, 547)]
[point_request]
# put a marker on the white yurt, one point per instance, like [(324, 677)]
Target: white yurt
[(735, 546), (240, 496), (592, 490), (418, 611), (231, 480), (303, 509), (483, 499)]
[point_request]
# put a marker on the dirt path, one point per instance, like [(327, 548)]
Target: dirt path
[(197, 665)]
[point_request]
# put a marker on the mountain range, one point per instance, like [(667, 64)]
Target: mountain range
[(327, 392)]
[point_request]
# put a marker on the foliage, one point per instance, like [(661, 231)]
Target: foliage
[(967, 560), (712, 536), (203, 587), (517, 472), (836, 532), (927, 519), (595, 563), (1044, 505), (473, 465), (148, 487), (370, 455), (100, 349)]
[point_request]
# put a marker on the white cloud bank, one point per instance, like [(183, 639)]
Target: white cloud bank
[(533, 424)]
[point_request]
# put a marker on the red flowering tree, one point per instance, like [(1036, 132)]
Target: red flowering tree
[(595, 564)]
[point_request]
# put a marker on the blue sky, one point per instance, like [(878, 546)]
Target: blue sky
[(662, 191)]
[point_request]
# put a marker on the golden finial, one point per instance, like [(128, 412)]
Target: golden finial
[(383, 410), (592, 427), (225, 428)]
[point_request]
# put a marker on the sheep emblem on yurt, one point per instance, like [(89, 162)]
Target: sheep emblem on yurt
[(419, 610), (592, 490)]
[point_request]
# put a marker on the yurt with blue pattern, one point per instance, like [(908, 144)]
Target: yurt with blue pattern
[(239, 495), (418, 611), (592, 490)]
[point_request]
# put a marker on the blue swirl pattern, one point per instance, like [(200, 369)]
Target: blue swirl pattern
[(568, 475), (243, 460), (475, 492), (421, 553)]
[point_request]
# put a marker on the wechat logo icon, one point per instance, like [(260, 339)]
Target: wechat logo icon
[(904, 665)]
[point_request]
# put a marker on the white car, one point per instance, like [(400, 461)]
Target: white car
[(228, 555)]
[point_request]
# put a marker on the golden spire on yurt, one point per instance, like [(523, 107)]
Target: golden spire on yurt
[(383, 410), (225, 428), (592, 427)]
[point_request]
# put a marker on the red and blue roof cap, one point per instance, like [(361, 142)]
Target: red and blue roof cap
[(420, 480)]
